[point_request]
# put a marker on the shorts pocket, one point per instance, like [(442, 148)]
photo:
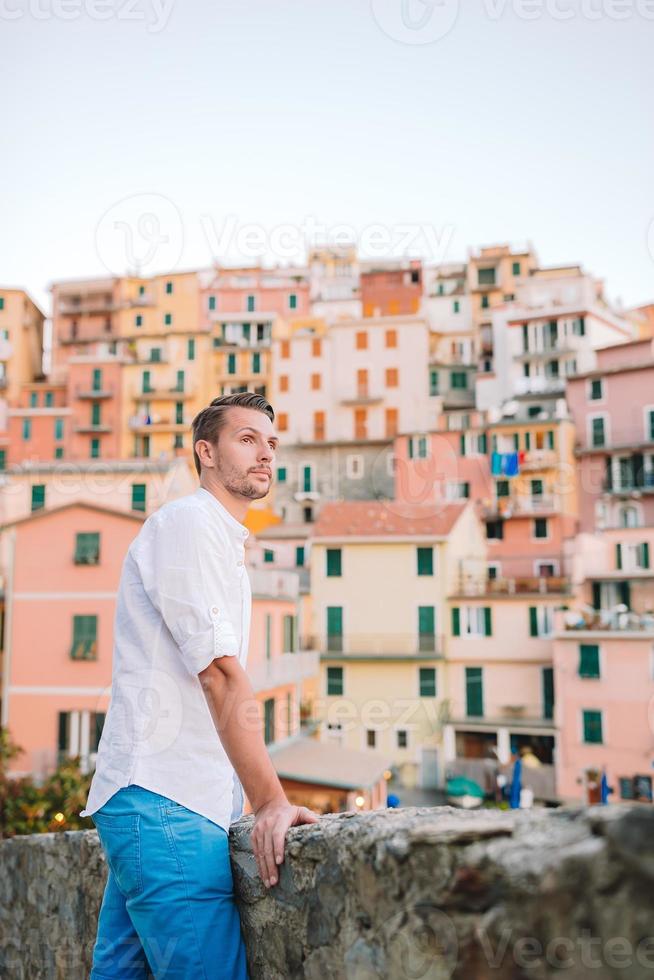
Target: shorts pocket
[(121, 841)]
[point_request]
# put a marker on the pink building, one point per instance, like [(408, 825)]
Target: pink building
[(604, 710), (613, 410), (248, 292)]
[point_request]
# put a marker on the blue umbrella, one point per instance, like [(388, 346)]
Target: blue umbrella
[(516, 786), (605, 789), (392, 800)]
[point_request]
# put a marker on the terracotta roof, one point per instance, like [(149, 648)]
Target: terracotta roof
[(43, 512), (312, 761), (378, 518)]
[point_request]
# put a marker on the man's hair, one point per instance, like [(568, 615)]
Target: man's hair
[(208, 423)]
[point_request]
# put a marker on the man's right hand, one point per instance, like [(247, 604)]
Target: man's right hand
[(268, 837)]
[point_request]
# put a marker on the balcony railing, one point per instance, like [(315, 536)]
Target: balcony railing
[(539, 459), (377, 644), (527, 585), (510, 506), (541, 779), (607, 620), (538, 386), (94, 392), (360, 394), (638, 483), (285, 668)]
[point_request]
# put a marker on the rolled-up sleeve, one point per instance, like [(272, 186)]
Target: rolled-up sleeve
[(183, 565)]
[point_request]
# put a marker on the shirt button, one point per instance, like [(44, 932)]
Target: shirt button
[(239, 562), (214, 609)]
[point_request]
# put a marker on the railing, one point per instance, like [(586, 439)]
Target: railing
[(285, 668), (361, 393), (538, 386), (635, 484), (382, 644), (539, 459), (541, 780), (274, 583), (610, 620), (508, 506), (104, 392), (543, 585)]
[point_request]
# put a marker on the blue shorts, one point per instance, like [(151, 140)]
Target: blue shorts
[(168, 909)]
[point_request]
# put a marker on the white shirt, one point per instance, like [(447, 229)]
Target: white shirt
[(184, 598)]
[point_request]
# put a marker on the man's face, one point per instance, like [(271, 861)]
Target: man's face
[(245, 453)]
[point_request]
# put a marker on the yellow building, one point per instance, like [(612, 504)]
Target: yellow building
[(21, 342), (380, 575)]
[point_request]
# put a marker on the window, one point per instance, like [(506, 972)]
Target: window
[(360, 423), (281, 474), (361, 340), (38, 496), (168, 319), (34, 399), (85, 638), (390, 338), (354, 467), (458, 491), (536, 487), (425, 561), (427, 682), (285, 348), (335, 628), (318, 426), (579, 326), (549, 439), (391, 377), (472, 621), (495, 530), (250, 303), (335, 680), (589, 662), (27, 429), (548, 692), (94, 449), (269, 720), (48, 400), (649, 426), (426, 629), (316, 347), (96, 413), (283, 382), (59, 453), (417, 447), (299, 555), (597, 431), (268, 555), (3, 459), (502, 488), (540, 620), (138, 496), (315, 381), (458, 379), (58, 429), (515, 269), (256, 362), (212, 303), (456, 306), (592, 727), (146, 385), (474, 692), (540, 527), (138, 320), (87, 548), (485, 303), (334, 562), (2, 302), (486, 277), (231, 364), (632, 556), (190, 349), (306, 477), (433, 382), (289, 626), (371, 738), (282, 422), (391, 422), (292, 301), (596, 389)]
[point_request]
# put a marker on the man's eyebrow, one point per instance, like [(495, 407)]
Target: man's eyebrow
[(249, 428)]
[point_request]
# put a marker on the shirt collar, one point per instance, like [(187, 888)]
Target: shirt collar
[(239, 530)]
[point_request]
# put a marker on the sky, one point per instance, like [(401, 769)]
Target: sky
[(167, 134)]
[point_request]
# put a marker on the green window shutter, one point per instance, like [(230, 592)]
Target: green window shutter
[(592, 724), (63, 731), (474, 692), (292, 301), (94, 452), (425, 561), (190, 351), (299, 555), (533, 621), (169, 288), (426, 628), (589, 663), (87, 548), (256, 362), (427, 681), (85, 636), (3, 459), (96, 383), (456, 621), (516, 441), (527, 441), (618, 556), (145, 386), (138, 496), (250, 304), (334, 569), (59, 429), (268, 636), (231, 363), (38, 496), (651, 426), (269, 720), (515, 269), (483, 443), (179, 413), (550, 438), (268, 555), (168, 319), (335, 680), (548, 692), (281, 474), (49, 399), (138, 320), (96, 411), (488, 621), (645, 554), (34, 399), (335, 628), (27, 429), (212, 302), (409, 445), (462, 443), (180, 381), (306, 479)]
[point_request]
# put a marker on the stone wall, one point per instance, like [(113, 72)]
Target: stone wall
[(425, 894)]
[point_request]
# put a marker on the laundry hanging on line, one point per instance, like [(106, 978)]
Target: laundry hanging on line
[(505, 464)]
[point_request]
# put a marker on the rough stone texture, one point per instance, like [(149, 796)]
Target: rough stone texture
[(421, 894)]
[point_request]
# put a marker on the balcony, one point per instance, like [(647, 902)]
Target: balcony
[(372, 646), (6, 349), (144, 424), (634, 484), (538, 386), (519, 506), (541, 780), (360, 395), (90, 305), (161, 392), (526, 585), (285, 668), (616, 620), (93, 393), (458, 398), (91, 429), (539, 459)]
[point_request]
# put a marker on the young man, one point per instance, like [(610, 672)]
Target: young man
[(183, 727)]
